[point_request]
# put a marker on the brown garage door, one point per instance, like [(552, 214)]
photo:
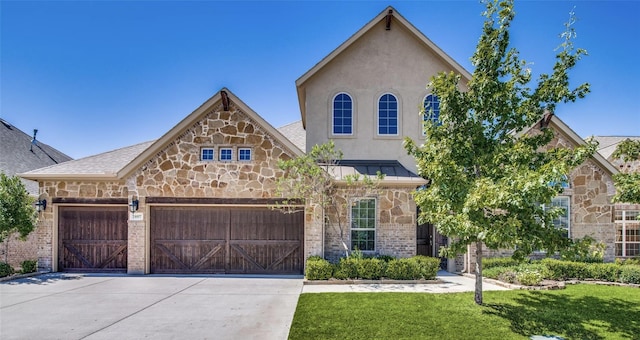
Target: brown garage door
[(92, 239), (225, 240)]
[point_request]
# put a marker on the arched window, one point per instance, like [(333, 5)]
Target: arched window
[(388, 115), (431, 108), (342, 114)]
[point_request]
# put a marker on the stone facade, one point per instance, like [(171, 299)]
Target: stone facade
[(395, 223), (177, 171)]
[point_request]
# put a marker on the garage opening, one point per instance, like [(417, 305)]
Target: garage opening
[(92, 239), (230, 240)]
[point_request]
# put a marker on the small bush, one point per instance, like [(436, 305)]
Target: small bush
[(509, 276), (529, 277), (586, 249), (604, 271), (5, 269), (318, 268), (562, 270), (347, 268), (403, 269), (628, 261), (630, 274), (385, 258), (500, 262), (428, 266), (29, 266), (370, 268), (495, 272)]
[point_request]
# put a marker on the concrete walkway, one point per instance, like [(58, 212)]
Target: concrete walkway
[(451, 283)]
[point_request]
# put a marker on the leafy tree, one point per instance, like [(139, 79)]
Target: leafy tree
[(627, 184), (17, 213), (487, 177), (310, 178)]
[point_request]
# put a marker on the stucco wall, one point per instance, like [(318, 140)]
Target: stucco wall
[(380, 61)]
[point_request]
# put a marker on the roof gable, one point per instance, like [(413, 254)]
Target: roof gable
[(222, 98), (391, 17)]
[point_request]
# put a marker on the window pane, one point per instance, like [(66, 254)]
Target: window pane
[(363, 224), (342, 114), (225, 154), (206, 154), (387, 115)]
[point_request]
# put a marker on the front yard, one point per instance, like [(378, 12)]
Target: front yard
[(584, 311)]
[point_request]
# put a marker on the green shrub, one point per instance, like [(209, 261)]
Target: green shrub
[(318, 268), (508, 276), (562, 270), (29, 266), (604, 271), (370, 268), (529, 277), (385, 258), (630, 274), (5, 269), (500, 262), (495, 272), (347, 268), (628, 261), (586, 249), (428, 266), (403, 269)]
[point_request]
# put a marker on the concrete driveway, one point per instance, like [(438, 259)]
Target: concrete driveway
[(72, 306)]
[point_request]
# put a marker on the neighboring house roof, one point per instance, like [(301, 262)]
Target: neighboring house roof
[(394, 173), (399, 19), (608, 144), (100, 166), (119, 164), (296, 133), (18, 153)]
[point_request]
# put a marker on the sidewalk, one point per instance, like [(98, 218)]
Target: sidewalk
[(449, 283)]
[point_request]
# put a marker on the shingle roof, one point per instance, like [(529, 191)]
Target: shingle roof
[(18, 154), (608, 144), (104, 164), (295, 133)]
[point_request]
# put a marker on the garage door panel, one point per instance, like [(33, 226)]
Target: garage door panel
[(265, 257), (92, 238), (187, 256), (230, 240)]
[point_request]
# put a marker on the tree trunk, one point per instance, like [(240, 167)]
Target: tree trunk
[(478, 292)]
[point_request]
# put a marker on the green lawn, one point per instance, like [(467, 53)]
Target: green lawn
[(577, 312)]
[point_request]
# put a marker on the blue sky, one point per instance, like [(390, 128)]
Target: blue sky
[(94, 76)]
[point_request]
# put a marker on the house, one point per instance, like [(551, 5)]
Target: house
[(625, 217), (20, 152), (198, 199)]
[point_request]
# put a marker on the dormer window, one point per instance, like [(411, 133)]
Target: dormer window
[(342, 114), (388, 115)]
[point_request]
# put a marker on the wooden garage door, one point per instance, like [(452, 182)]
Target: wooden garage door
[(92, 239), (226, 240)]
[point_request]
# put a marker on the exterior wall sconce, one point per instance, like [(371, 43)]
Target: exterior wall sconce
[(133, 206), (41, 205)]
